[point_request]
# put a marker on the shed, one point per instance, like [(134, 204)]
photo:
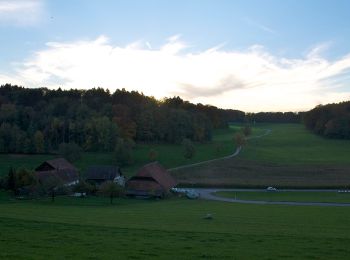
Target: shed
[(98, 174), (151, 180)]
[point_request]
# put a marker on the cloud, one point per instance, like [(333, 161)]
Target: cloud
[(21, 12), (227, 84), (250, 80)]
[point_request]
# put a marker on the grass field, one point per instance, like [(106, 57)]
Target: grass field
[(293, 144), (295, 196), (91, 228), (169, 155), (289, 156)]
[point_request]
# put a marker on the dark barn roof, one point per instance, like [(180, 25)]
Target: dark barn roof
[(57, 168), (56, 164), (156, 171), (102, 172), (151, 178)]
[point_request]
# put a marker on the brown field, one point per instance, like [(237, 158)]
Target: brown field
[(237, 172)]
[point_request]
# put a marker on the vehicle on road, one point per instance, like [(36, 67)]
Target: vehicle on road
[(271, 189)]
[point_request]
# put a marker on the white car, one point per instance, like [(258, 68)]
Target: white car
[(271, 189)]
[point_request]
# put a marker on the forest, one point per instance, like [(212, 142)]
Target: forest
[(274, 117), (38, 120), (331, 121)]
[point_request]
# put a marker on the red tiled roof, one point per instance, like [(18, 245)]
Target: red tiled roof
[(158, 173)]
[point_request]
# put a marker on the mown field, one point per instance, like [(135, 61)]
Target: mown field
[(289, 156), (293, 196), (91, 228), (293, 144), (169, 155)]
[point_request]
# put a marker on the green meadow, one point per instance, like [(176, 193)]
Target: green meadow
[(293, 144), (290, 196), (175, 228)]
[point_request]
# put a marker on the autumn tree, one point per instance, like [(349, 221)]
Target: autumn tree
[(51, 185), (111, 189), (152, 155), (189, 149), (39, 142), (247, 130), (123, 151), (239, 140)]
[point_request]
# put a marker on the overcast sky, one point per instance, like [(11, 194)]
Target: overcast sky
[(263, 55)]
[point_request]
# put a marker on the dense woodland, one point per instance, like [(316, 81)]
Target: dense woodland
[(274, 117), (332, 120), (38, 120)]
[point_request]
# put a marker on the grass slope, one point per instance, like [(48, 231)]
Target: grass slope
[(293, 144), (288, 157), (171, 229)]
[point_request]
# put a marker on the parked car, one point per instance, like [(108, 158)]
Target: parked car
[(271, 189)]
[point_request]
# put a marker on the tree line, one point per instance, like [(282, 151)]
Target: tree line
[(39, 120), (331, 121), (274, 117)]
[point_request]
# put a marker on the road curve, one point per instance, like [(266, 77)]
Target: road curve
[(208, 194), (235, 153)]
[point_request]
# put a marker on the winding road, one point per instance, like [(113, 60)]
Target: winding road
[(208, 194), (235, 153)]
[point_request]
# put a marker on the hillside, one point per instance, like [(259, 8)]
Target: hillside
[(288, 157)]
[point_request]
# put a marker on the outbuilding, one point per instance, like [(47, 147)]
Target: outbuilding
[(98, 174)]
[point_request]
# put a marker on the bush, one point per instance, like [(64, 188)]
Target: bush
[(111, 190), (70, 151), (189, 149)]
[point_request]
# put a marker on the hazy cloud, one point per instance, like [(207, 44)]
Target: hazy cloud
[(251, 80), (21, 12), (189, 91)]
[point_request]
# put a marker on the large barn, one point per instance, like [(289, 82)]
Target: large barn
[(59, 169), (152, 180)]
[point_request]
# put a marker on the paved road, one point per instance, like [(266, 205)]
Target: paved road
[(207, 194), (235, 153)]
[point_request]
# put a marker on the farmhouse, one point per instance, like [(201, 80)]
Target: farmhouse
[(151, 180), (58, 168), (98, 174)]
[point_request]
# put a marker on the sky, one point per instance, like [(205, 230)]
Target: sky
[(251, 55)]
